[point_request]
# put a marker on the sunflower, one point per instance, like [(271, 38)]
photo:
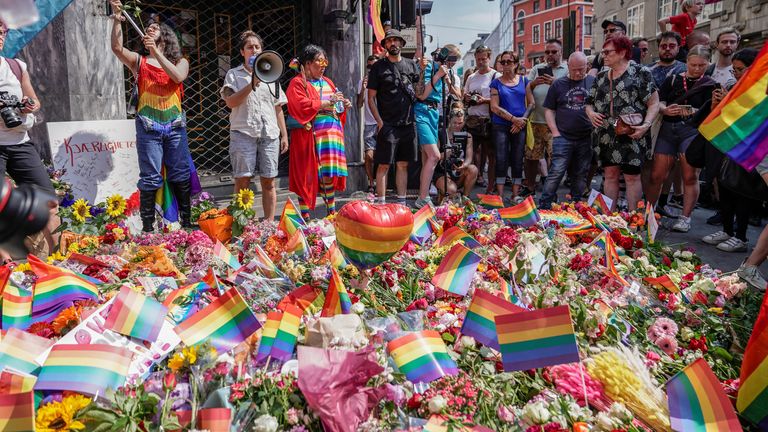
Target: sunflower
[(81, 210), (116, 206), (245, 199), (60, 416)]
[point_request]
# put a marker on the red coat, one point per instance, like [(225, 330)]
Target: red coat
[(303, 105)]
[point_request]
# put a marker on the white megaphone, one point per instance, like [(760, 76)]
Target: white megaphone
[(268, 66)]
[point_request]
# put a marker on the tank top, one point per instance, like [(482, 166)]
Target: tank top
[(159, 105)]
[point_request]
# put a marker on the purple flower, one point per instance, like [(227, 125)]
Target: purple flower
[(67, 200), (96, 210)]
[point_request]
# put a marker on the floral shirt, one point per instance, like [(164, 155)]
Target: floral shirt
[(631, 92)]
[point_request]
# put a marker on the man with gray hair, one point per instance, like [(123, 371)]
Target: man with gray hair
[(571, 130)]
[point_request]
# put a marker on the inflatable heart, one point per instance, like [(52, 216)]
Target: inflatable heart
[(368, 234)]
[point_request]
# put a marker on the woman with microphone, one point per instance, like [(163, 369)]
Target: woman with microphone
[(257, 132)]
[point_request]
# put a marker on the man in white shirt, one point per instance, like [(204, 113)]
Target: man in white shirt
[(722, 70), (369, 132), (477, 97)]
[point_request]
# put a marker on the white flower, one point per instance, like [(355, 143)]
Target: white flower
[(536, 413), (686, 255), (621, 412), (437, 404), (265, 423), (604, 422), (358, 308), (467, 341)]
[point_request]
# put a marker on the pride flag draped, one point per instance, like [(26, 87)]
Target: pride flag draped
[(165, 201), (297, 244), (664, 282), (455, 234), (523, 214), (536, 339), (423, 223), (19, 351), (55, 292), (17, 412), (84, 368), (422, 356), (374, 19), (136, 315), (17, 307), (336, 298), (221, 252), (490, 201), (291, 219), (480, 319), (752, 401), (697, 402), (738, 126), (455, 272), (225, 323)]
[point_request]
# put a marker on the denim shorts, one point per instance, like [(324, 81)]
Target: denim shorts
[(674, 138), (245, 152), (369, 136)]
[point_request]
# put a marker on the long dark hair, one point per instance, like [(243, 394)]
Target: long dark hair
[(171, 47)]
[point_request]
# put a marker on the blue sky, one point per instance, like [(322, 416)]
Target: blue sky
[(459, 21)]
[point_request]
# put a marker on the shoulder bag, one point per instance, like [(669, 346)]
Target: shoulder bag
[(624, 123)]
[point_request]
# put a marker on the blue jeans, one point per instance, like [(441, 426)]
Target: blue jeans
[(571, 156), (156, 149), (510, 150)]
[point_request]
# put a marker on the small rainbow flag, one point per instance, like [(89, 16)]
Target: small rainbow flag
[(225, 323), (697, 402), (611, 256), (491, 201), (264, 264), (297, 244), (41, 269), (182, 302), (663, 282), (523, 214), (285, 339), (752, 400), (302, 297), (221, 252), (19, 351), (17, 307), (84, 368), (13, 383), (335, 257), (600, 205), (268, 334), (136, 315), (165, 201), (17, 412), (536, 339), (455, 234), (336, 298), (214, 419), (212, 281), (374, 19), (56, 292), (423, 224), (455, 272), (422, 356), (479, 321), (738, 126), (597, 224), (290, 220)]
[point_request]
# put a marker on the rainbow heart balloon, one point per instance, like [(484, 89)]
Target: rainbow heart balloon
[(369, 234)]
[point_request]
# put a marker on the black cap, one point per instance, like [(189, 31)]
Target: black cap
[(617, 23), (392, 33)]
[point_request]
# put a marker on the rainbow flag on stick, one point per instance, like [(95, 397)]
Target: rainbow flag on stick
[(55, 292), (422, 356), (738, 126), (335, 257), (264, 264), (297, 244), (455, 272), (536, 339), (697, 402), (285, 339), (490, 201), (480, 319), (611, 256), (302, 297), (221, 252), (662, 282), (455, 234), (17, 412), (88, 368), (374, 19), (290, 220), (523, 214), (19, 351), (268, 333), (17, 307), (337, 300), (212, 281), (136, 315), (423, 224), (13, 383), (752, 401)]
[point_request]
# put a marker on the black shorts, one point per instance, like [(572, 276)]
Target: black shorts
[(625, 168), (395, 144), (24, 165)]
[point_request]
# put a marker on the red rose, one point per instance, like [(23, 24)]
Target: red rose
[(414, 402)]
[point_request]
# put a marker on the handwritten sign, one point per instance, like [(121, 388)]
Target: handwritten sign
[(99, 156)]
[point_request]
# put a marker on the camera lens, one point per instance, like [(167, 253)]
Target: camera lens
[(11, 117), (23, 210)]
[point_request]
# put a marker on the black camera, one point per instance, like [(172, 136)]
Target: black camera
[(443, 55), (10, 110), (23, 211), (474, 98), (453, 152)]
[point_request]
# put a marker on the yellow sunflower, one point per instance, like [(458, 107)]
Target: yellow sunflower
[(116, 206), (245, 199), (81, 210), (60, 416)]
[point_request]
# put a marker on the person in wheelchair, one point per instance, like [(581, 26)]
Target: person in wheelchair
[(455, 171)]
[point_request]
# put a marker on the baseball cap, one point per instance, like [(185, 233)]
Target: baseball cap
[(617, 23)]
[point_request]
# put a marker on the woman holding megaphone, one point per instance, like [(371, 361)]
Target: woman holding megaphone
[(257, 132), (317, 160)]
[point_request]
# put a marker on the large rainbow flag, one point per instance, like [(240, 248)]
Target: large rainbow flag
[(374, 19), (422, 356), (55, 292), (752, 401), (738, 126), (455, 272), (19, 351), (697, 402)]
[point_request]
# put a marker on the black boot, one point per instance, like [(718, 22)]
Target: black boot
[(182, 192), (147, 210)]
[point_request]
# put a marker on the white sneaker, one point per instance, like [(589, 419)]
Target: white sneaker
[(733, 244), (683, 224), (752, 276), (716, 238), (422, 202)]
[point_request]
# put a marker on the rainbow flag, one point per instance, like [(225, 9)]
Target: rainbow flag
[(336, 258), (290, 220), (697, 401), (42, 269), (423, 224), (136, 315), (455, 234), (610, 257), (19, 351), (374, 19), (523, 214), (84, 368), (664, 282), (536, 339), (455, 272), (297, 244), (479, 321), (214, 419), (225, 323), (597, 224), (13, 383), (302, 297), (285, 339), (56, 292), (491, 201), (17, 412), (738, 126), (268, 333), (165, 201), (600, 205), (752, 401), (212, 281), (336, 298), (17, 307), (221, 252), (422, 356), (182, 302), (264, 264)]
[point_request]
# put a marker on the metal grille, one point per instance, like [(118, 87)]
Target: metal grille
[(207, 30)]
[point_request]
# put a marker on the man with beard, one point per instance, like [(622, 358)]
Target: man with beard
[(726, 43), (611, 28), (391, 96), (669, 46)]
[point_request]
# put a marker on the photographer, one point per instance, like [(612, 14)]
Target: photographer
[(477, 96), (457, 158)]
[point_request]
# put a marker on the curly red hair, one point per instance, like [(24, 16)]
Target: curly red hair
[(620, 44)]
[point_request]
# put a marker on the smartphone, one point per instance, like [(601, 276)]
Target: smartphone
[(685, 107), (546, 71)]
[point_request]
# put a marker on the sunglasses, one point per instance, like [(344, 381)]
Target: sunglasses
[(605, 52), (506, 62), (322, 62), (610, 30), (644, 49), (667, 46), (551, 52)]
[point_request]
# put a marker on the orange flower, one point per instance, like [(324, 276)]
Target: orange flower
[(66, 320)]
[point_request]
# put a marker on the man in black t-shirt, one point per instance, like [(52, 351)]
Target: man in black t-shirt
[(391, 96)]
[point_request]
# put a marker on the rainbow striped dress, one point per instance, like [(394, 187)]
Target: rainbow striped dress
[(329, 137), (159, 104)]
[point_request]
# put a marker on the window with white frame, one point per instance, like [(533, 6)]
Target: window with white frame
[(558, 29), (521, 22), (667, 8), (548, 30), (536, 31), (709, 10), (635, 20), (586, 24)]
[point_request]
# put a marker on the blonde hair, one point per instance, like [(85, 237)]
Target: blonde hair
[(453, 49), (686, 4), (700, 51)]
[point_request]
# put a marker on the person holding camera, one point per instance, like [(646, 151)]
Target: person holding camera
[(257, 132), (161, 131), (477, 96), (456, 170)]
